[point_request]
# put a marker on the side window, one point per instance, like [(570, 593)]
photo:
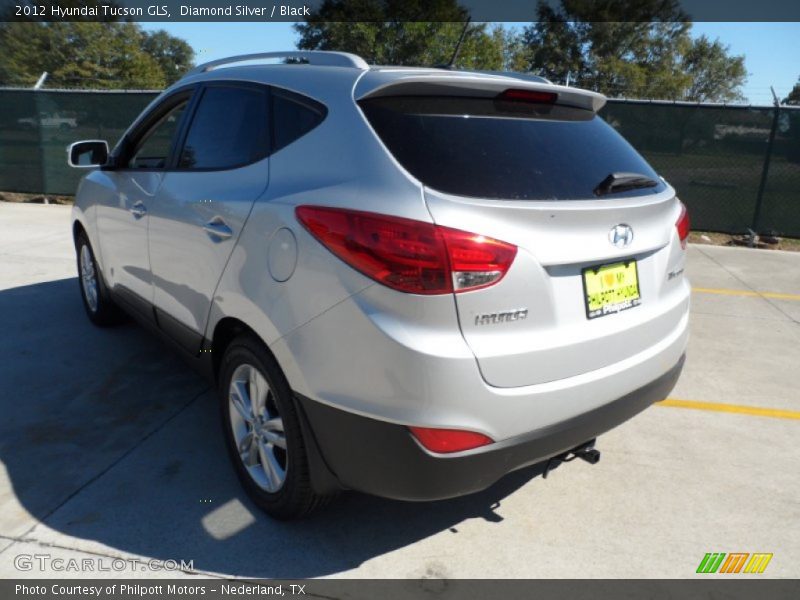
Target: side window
[(152, 150), (294, 116), (229, 129)]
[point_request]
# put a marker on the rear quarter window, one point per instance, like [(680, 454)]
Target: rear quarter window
[(293, 117), (487, 148)]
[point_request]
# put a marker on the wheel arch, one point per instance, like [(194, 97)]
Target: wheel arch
[(78, 228), (227, 329)]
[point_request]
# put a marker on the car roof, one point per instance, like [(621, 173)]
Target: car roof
[(326, 75)]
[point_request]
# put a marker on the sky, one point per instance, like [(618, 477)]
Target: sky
[(771, 50)]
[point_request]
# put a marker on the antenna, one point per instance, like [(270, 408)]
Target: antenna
[(458, 45)]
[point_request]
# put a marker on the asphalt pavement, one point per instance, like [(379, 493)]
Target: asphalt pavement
[(110, 448)]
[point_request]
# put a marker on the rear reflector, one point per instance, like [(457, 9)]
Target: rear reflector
[(683, 225), (515, 95), (406, 255), (445, 441)]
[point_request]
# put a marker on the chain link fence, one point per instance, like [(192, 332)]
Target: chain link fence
[(735, 167), (37, 126)]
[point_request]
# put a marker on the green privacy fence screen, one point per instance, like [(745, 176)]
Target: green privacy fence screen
[(37, 126), (717, 157), (724, 162)]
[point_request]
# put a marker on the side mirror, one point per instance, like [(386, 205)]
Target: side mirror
[(87, 154)]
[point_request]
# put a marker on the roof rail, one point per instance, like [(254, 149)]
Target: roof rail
[(312, 57)]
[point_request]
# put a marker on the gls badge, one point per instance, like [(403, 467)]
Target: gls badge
[(621, 235)]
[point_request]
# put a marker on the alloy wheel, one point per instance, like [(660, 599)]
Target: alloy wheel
[(88, 278), (258, 428)]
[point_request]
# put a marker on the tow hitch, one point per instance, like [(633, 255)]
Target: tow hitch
[(585, 452)]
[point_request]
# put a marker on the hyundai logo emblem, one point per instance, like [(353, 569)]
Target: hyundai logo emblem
[(621, 235)]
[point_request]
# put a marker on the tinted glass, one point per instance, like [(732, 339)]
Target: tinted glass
[(486, 148), (229, 129), (153, 149), (294, 116)]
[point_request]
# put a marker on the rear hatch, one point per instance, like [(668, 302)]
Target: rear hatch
[(595, 279)]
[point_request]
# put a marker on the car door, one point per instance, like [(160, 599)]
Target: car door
[(203, 202), (123, 219)]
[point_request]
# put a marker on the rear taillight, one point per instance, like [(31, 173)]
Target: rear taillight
[(407, 255), (682, 224), (449, 440)]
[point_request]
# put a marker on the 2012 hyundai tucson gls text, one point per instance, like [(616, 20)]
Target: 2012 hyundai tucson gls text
[(404, 281)]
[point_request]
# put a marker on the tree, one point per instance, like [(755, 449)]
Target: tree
[(513, 48), (639, 48), (174, 55), (716, 76), (402, 32), (794, 95), (86, 54)]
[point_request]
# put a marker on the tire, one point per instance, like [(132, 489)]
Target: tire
[(100, 308), (274, 471)]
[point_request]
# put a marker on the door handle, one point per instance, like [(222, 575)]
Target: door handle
[(218, 229), (138, 209)]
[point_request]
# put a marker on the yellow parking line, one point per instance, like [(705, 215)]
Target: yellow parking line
[(747, 293), (755, 411)]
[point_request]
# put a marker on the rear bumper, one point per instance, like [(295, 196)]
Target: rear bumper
[(383, 458), (407, 362)]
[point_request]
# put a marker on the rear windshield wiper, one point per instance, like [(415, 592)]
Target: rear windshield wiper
[(623, 182)]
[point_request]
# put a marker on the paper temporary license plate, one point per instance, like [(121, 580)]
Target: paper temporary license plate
[(610, 289)]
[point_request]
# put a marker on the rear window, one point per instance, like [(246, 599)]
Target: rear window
[(488, 148)]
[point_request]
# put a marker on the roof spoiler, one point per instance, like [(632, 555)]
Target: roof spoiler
[(512, 74), (467, 84)]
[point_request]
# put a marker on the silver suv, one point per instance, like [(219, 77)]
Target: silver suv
[(404, 281)]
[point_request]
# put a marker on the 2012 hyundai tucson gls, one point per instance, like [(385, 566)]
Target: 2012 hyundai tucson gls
[(404, 281)]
